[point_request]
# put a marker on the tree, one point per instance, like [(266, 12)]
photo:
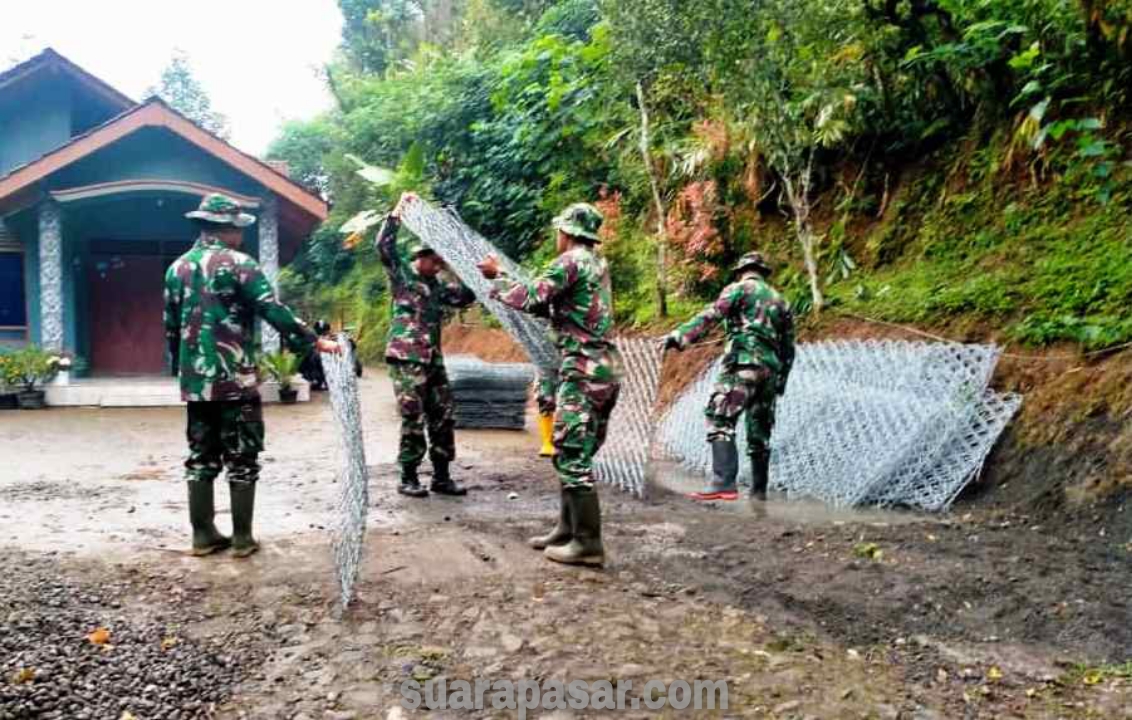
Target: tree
[(185, 94), (305, 146)]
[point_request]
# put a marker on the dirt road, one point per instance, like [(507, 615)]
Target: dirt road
[(805, 613)]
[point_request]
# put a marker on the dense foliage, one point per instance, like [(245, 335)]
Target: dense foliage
[(913, 159)]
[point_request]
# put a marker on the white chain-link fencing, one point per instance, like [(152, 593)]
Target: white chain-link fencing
[(623, 460), (867, 423)]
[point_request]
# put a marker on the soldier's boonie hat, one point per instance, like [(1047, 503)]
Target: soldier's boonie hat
[(416, 250), (580, 220), (222, 210), (753, 260)]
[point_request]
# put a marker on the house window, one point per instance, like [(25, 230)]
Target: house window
[(13, 310)]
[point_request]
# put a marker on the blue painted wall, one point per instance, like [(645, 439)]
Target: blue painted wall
[(34, 119)]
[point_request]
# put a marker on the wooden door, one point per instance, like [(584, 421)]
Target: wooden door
[(127, 336)]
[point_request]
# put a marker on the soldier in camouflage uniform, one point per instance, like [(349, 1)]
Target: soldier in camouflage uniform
[(213, 295), (574, 293), (756, 365), (416, 365)]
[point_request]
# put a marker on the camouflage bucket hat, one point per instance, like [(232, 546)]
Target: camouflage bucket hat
[(222, 210), (753, 260), (580, 220)]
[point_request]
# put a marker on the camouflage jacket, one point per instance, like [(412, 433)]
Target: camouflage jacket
[(757, 321), (418, 302), (213, 295), (574, 292)]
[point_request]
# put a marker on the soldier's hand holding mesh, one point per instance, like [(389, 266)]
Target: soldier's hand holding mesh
[(489, 267), (326, 345)]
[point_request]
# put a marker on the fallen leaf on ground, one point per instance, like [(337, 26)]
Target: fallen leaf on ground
[(170, 642), (1093, 677), (994, 674), (127, 715), (23, 676), (101, 636), (870, 551)]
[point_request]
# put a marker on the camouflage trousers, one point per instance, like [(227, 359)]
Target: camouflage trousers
[(224, 434), (580, 425), (424, 399), (738, 390), (546, 390)]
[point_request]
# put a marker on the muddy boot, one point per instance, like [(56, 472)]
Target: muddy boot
[(585, 546), (442, 482), (725, 469), (760, 473), (202, 514), (546, 432), (562, 533), (410, 483), (243, 511)]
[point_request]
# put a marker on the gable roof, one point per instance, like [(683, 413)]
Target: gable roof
[(51, 59), (156, 113)]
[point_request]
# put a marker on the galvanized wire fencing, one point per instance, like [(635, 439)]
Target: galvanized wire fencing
[(348, 528), (463, 248), (623, 460), (489, 395), (868, 422)]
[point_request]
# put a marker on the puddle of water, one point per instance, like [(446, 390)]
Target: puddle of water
[(805, 511)]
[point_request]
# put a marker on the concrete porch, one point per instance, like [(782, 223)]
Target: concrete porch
[(146, 391)]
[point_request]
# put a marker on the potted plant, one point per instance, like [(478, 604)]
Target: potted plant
[(29, 369), (282, 367), (8, 400)]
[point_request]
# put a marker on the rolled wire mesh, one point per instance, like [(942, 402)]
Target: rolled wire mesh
[(623, 459), (868, 422), (463, 248), (489, 395), (348, 528)]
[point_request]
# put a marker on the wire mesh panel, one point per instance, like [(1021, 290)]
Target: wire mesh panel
[(489, 395), (463, 248), (348, 529), (869, 422), (623, 460)]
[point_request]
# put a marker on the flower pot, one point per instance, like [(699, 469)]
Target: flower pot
[(288, 396), (9, 401), (32, 399)]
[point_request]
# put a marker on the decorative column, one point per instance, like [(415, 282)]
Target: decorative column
[(269, 260), (51, 275)]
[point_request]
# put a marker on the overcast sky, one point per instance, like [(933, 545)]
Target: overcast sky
[(257, 59)]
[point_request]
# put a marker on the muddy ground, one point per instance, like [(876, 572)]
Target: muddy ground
[(805, 612)]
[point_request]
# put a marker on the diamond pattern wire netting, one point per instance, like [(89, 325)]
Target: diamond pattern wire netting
[(462, 248), (623, 460), (489, 395), (868, 422), (348, 529)]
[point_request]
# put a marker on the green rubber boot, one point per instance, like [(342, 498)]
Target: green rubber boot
[(243, 511), (585, 546), (562, 533), (442, 482), (760, 473), (411, 483), (202, 515)]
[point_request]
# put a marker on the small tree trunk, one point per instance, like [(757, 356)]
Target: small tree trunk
[(803, 228), (661, 214)]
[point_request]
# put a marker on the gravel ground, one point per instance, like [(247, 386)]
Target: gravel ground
[(76, 650)]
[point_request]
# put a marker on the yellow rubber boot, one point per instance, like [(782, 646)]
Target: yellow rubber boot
[(546, 430)]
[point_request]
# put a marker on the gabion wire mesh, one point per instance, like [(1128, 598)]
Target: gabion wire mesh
[(462, 248), (348, 529), (623, 460), (868, 423), (489, 395)]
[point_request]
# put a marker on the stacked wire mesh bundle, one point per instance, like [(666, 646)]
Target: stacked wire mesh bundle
[(869, 423), (348, 528), (489, 395), (463, 248)]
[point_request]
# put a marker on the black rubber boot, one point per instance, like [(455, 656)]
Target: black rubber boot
[(562, 533), (243, 512), (442, 482), (202, 515), (760, 473), (411, 484), (585, 546), (725, 471)]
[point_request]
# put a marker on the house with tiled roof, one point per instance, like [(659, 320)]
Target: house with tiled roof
[(93, 191)]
